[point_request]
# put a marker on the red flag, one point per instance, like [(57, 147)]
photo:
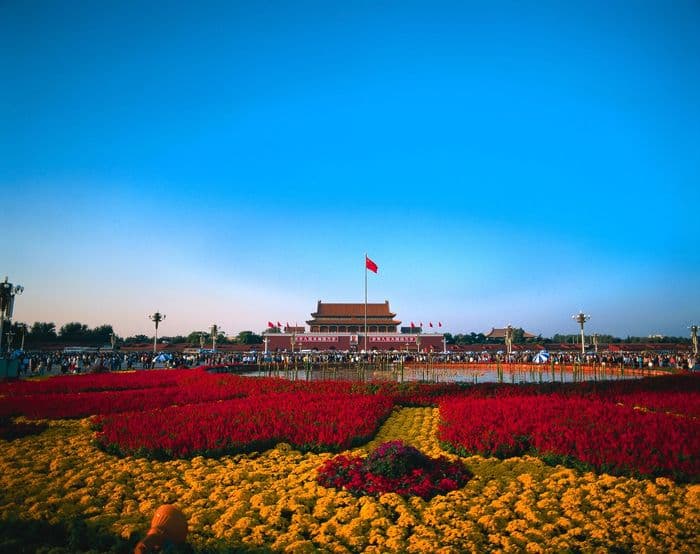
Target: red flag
[(287, 325), (270, 324), (431, 323), (279, 324), (421, 324), (412, 325), (369, 264), (439, 323)]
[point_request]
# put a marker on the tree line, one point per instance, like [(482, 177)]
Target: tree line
[(519, 338), (79, 334)]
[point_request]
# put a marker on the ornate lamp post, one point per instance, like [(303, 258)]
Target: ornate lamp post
[(156, 318), (509, 340), (10, 336), (202, 334), (581, 319), (22, 327), (7, 303), (214, 332), (113, 340), (694, 339)]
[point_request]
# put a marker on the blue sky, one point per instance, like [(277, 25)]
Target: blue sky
[(231, 163)]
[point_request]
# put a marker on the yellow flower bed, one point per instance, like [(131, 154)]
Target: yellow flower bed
[(271, 499)]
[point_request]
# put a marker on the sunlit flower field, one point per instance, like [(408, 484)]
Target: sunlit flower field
[(269, 500)]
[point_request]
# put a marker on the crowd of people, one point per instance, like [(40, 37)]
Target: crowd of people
[(57, 362)]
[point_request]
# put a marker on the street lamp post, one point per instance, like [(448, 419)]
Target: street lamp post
[(156, 318), (214, 331), (113, 340), (7, 303), (581, 319), (24, 334), (10, 336), (694, 339)]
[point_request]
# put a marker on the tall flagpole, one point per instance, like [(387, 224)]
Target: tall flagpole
[(365, 301)]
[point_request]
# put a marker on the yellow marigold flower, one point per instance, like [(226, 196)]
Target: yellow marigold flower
[(395, 544), (533, 548)]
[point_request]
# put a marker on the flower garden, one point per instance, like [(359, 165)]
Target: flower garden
[(274, 465)]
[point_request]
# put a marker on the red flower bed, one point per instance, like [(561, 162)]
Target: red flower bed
[(600, 434), (308, 421), (393, 467), (96, 382), (681, 403), (165, 388)]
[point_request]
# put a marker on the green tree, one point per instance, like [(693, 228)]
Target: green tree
[(193, 338), (41, 332), (248, 337), (100, 335), (137, 339), (74, 332)]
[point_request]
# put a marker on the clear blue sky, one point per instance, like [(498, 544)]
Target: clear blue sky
[(232, 162)]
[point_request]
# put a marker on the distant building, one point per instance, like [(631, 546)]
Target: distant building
[(350, 318), (341, 326), (497, 333)]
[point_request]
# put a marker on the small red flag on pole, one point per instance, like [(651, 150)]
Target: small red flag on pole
[(369, 264), (431, 323), (412, 325), (279, 324), (270, 324), (439, 323)]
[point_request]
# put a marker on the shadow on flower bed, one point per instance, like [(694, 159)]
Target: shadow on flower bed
[(30, 536), (16, 430), (394, 467)]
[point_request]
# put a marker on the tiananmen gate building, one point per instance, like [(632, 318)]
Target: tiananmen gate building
[(341, 326)]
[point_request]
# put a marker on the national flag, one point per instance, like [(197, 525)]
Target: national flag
[(431, 323), (279, 324), (369, 264), (421, 324), (412, 325), (270, 325), (439, 323)]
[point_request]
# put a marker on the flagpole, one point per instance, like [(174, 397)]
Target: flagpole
[(365, 301)]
